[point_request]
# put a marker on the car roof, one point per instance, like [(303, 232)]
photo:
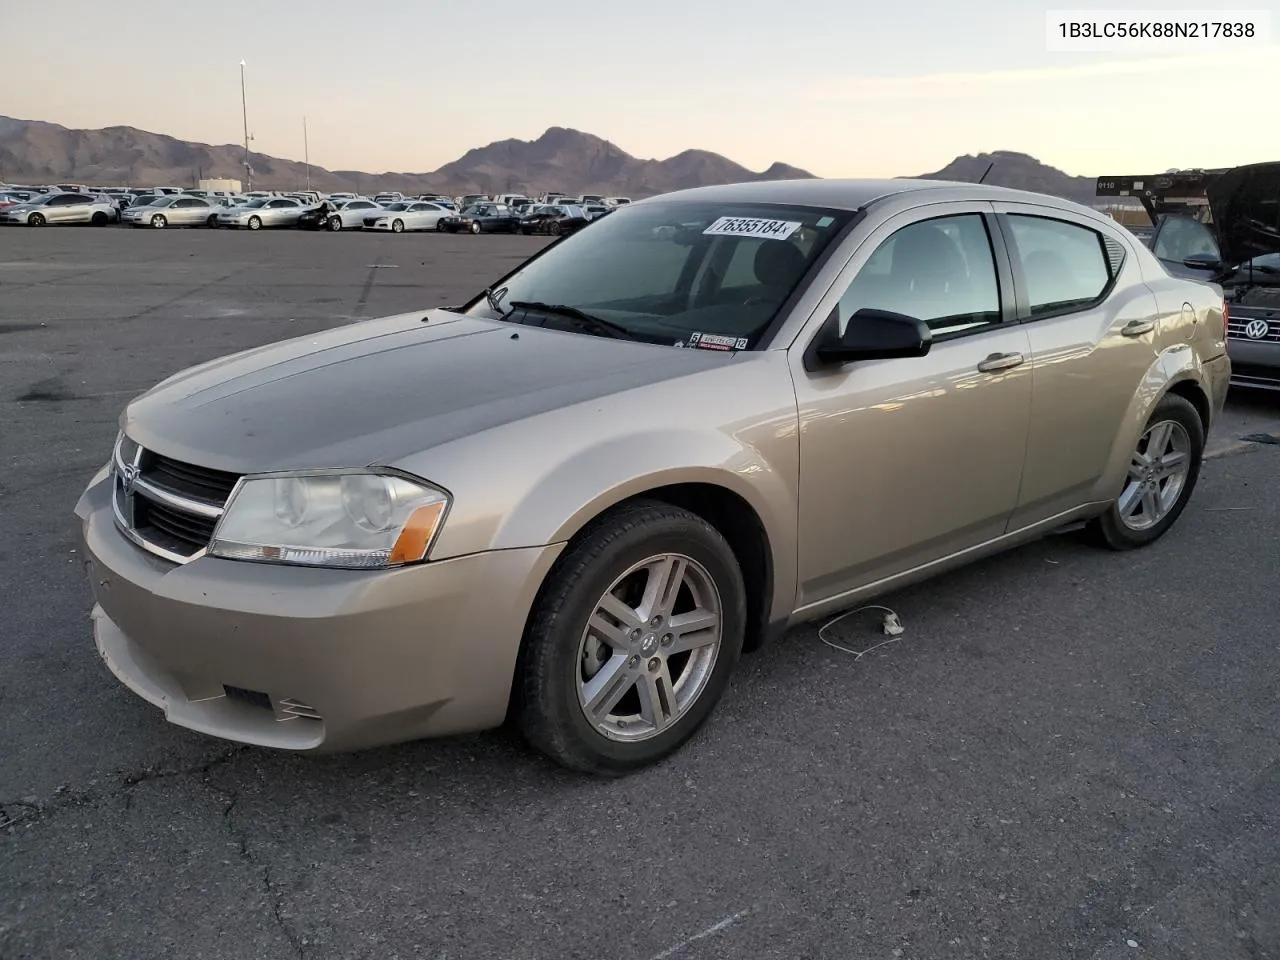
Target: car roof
[(851, 194)]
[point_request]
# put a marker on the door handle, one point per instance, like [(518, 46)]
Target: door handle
[(1136, 328), (1001, 361)]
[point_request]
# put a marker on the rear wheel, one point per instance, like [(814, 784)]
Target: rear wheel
[(632, 641), (1163, 471)]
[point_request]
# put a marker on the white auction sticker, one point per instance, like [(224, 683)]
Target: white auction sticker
[(752, 227)]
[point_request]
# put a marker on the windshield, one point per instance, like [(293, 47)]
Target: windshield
[(257, 202), (664, 271), (397, 206), (163, 202)]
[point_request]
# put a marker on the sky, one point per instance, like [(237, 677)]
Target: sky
[(842, 88)]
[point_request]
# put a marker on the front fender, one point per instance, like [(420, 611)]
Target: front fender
[(585, 485)]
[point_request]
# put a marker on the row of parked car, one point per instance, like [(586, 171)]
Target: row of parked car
[(394, 213)]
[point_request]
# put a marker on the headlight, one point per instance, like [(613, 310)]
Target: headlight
[(349, 520)]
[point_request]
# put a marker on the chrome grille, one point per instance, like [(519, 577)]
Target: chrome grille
[(168, 507), (1236, 330)]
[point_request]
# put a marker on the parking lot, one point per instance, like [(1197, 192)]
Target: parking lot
[(1069, 753)]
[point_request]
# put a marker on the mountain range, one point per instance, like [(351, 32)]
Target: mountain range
[(33, 151)]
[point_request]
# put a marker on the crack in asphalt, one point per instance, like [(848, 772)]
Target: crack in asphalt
[(32, 811), (274, 901)]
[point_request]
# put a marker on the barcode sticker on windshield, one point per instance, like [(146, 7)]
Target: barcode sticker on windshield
[(752, 227)]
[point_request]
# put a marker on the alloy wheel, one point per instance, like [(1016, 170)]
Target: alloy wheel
[(1157, 475), (649, 647)]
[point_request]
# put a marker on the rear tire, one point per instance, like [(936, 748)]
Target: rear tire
[(606, 570), (1162, 475)]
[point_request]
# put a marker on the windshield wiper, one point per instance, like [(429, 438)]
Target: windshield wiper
[(494, 298), (573, 313)]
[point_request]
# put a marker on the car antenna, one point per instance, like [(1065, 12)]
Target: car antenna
[(985, 172)]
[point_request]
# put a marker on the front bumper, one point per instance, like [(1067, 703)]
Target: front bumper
[(305, 659), (1254, 363)]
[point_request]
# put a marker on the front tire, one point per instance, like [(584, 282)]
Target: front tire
[(255, 223), (1163, 471), (212, 222), (36, 220), (335, 224), (632, 640), (158, 222), (99, 219), (397, 226), (475, 227)]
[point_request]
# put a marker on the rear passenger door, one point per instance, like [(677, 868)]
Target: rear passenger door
[(1095, 334)]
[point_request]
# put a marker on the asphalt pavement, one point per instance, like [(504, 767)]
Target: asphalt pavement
[(1069, 754)]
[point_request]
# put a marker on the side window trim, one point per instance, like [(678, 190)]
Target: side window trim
[(1002, 261), (1025, 314)]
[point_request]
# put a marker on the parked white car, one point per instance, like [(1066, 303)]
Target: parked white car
[(262, 212), (407, 215), (351, 214), (173, 211), (50, 208)]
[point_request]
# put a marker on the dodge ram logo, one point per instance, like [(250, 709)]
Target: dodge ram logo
[(1256, 329), (128, 477)]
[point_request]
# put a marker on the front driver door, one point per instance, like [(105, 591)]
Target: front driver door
[(906, 461)]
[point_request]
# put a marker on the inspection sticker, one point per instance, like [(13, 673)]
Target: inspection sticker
[(752, 227), (715, 341)]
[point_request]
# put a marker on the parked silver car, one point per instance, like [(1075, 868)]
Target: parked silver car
[(733, 409), (351, 213), (173, 211), (59, 208), (262, 212)]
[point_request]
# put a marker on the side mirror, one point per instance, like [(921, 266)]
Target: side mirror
[(869, 335), (1202, 261)]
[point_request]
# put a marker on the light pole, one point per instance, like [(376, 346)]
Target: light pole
[(244, 108), (306, 151)]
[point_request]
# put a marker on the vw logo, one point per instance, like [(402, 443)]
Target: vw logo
[(1256, 329)]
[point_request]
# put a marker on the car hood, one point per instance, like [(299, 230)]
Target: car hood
[(382, 390), (1245, 204)]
